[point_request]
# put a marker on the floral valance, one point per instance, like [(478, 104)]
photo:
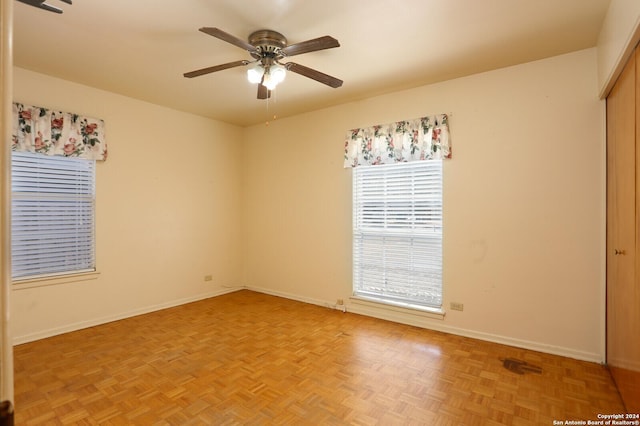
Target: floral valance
[(43, 131), (425, 138)]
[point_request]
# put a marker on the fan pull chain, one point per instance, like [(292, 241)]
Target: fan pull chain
[(274, 96), (268, 122)]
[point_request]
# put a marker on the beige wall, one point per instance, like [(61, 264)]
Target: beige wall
[(168, 211), (523, 205), (270, 206)]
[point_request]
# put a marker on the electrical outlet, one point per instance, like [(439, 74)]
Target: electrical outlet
[(208, 277), (340, 302), (456, 306)]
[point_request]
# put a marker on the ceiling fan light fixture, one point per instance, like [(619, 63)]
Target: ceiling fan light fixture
[(255, 73), (274, 75)]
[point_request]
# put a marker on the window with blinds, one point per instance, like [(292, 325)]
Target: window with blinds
[(52, 215), (397, 233)]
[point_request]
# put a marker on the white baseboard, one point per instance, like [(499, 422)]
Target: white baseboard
[(439, 325), (17, 340)]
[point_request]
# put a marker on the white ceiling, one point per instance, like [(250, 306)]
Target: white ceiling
[(141, 48)]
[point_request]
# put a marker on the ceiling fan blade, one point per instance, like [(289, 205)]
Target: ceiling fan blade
[(263, 92), (313, 74), (215, 68), (320, 43), (218, 33), (40, 4)]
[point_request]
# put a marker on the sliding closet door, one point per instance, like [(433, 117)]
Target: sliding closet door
[(623, 304)]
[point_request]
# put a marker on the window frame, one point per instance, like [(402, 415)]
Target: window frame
[(412, 231), (52, 186)]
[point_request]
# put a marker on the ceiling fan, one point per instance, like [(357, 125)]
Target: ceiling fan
[(268, 48), (40, 4)]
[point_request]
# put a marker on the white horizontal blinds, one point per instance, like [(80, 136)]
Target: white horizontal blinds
[(52, 215), (397, 232)]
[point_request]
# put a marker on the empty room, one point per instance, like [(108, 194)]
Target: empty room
[(220, 212)]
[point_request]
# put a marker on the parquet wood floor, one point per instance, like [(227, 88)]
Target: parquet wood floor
[(250, 358)]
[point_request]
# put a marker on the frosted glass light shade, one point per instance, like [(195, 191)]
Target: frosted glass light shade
[(278, 73), (269, 82), (255, 73)]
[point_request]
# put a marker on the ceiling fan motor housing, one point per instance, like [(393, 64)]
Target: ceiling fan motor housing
[(268, 44)]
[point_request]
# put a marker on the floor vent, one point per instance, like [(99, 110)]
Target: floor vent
[(520, 367)]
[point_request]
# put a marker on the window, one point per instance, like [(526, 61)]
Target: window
[(52, 215), (397, 233)]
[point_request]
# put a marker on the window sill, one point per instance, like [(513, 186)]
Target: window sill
[(405, 308), (54, 280)]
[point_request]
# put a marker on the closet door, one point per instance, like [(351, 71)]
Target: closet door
[(623, 293)]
